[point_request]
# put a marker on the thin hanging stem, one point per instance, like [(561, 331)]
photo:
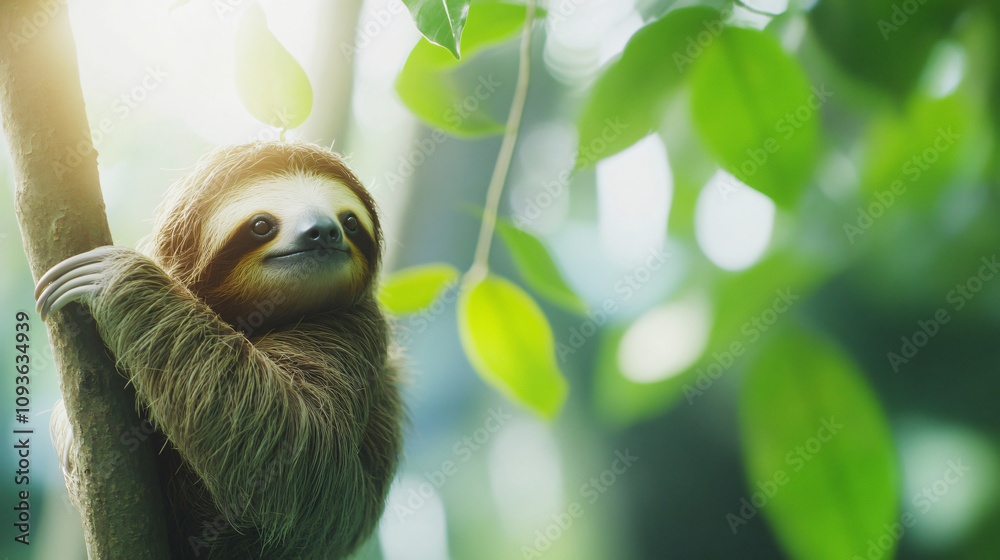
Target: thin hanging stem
[(480, 263)]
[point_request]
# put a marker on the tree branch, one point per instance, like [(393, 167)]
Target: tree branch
[(60, 212)]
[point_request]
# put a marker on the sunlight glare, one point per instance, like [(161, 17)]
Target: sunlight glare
[(420, 536), (732, 222), (949, 481), (525, 475), (665, 341), (634, 189)]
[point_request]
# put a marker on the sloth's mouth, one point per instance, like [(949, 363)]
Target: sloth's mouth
[(317, 254)]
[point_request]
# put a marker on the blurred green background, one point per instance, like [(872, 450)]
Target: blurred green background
[(781, 218)]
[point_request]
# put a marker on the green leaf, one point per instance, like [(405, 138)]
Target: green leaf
[(270, 83), (818, 449), (440, 21), (913, 155), (754, 108), (880, 43), (537, 267), (746, 307), (627, 101), (415, 288), (430, 87), (509, 342)]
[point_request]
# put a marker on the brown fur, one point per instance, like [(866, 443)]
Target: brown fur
[(280, 445)]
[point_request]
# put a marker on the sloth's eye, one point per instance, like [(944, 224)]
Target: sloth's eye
[(351, 223), (261, 226)]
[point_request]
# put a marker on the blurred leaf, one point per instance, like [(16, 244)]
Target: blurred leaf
[(880, 42), (178, 4), (628, 99), (440, 21), (537, 267), (818, 451), (746, 306), (690, 165), (509, 342), (430, 88), (622, 401), (270, 83), (754, 107), (919, 151), (415, 288)]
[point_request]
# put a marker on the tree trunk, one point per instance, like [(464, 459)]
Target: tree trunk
[(335, 79), (60, 212)]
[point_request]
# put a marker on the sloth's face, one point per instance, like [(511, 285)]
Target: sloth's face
[(287, 246)]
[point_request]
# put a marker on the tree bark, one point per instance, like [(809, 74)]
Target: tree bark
[(60, 212), (335, 79)]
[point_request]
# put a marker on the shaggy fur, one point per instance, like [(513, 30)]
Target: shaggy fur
[(281, 445)]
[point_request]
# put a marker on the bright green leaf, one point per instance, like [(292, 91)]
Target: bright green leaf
[(753, 106), (913, 155), (818, 449), (440, 21), (537, 267), (509, 342), (413, 289), (430, 87), (627, 101), (270, 83)]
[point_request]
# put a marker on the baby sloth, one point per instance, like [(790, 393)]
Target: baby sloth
[(258, 352)]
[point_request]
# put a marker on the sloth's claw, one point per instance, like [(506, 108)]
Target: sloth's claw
[(74, 289), (93, 256), (76, 294), (71, 279), (74, 279)]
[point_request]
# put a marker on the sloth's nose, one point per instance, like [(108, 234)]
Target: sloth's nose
[(321, 231)]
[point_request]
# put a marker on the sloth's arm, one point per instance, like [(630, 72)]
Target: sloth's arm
[(258, 429)]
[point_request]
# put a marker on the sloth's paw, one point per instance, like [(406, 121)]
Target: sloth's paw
[(74, 279)]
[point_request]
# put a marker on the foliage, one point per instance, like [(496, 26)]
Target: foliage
[(773, 103), (271, 84), (868, 130)]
